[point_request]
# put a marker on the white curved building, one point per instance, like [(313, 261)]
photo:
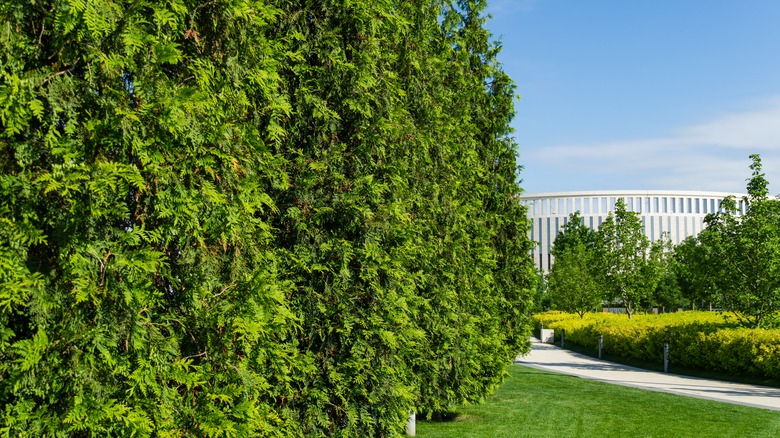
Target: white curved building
[(678, 213)]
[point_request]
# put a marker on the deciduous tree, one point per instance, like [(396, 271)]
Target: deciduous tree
[(748, 250), (697, 268), (628, 261), (574, 282), (573, 233), (574, 279)]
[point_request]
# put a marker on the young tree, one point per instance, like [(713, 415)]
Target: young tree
[(697, 268), (668, 292), (573, 233), (573, 278), (630, 265), (747, 248), (573, 282), (542, 300)]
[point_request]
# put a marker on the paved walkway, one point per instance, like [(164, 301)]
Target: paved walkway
[(551, 358)]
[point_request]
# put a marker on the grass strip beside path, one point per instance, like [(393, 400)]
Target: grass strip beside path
[(535, 403)]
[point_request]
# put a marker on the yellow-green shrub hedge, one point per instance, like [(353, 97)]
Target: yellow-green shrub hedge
[(703, 340)]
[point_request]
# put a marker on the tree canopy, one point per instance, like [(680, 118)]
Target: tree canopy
[(746, 250), (616, 263), (254, 217), (630, 262), (575, 280), (573, 233), (732, 265)]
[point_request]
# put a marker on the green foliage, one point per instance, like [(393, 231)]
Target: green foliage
[(631, 266), (695, 266), (404, 233), (615, 263), (574, 233), (152, 302), (541, 300), (574, 280), (697, 340), (736, 260), (254, 218), (668, 292)]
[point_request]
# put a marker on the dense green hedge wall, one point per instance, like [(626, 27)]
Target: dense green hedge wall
[(703, 340), (253, 218)]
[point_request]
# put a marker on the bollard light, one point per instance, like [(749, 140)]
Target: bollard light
[(601, 344), (666, 357)]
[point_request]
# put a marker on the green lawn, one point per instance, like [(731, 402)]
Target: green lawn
[(533, 403)]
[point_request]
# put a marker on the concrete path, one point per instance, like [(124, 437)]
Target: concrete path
[(551, 358)]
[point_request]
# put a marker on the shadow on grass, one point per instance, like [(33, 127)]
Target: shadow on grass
[(442, 417), (552, 375)]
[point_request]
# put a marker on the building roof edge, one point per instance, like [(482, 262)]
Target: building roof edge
[(587, 193)]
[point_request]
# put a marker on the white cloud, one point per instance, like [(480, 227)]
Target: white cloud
[(712, 155), (758, 128)]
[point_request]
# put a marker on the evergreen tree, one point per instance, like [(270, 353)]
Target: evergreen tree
[(254, 217), (136, 165)]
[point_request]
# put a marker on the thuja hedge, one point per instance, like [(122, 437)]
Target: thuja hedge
[(698, 340), (248, 218)]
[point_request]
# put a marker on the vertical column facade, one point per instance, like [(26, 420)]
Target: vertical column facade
[(669, 214)]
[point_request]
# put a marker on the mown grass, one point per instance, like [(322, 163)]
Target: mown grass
[(534, 403)]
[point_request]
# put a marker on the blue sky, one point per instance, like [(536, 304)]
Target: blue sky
[(649, 95)]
